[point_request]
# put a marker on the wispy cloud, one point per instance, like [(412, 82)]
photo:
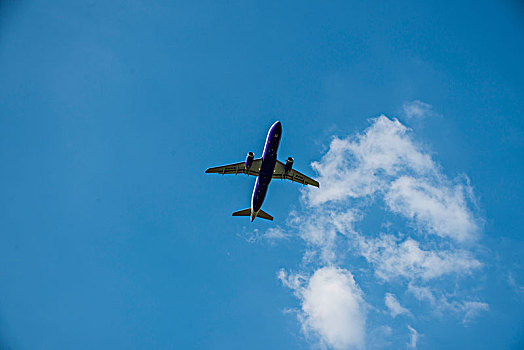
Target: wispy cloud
[(321, 229), (440, 303), (394, 306), (417, 110), (519, 290), (394, 258), (413, 337), (271, 235), (333, 310), (472, 309), (437, 206)]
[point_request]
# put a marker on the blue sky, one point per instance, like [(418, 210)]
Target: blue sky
[(409, 113)]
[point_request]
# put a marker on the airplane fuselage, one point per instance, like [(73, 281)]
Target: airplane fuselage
[(269, 159)]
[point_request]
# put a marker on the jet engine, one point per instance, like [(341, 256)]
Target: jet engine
[(249, 159), (289, 165)]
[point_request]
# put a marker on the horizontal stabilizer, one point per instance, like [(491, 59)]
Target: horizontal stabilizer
[(263, 215), (243, 212), (247, 212)]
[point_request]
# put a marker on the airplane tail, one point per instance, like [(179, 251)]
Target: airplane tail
[(247, 212)]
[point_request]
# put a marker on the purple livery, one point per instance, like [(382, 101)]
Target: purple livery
[(266, 169)]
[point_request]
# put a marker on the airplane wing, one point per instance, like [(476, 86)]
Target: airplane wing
[(237, 168), (293, 175)]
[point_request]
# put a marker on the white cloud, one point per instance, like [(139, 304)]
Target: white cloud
[(293, 281), (429, 222), (333, 308), (361, 166), (422, 294), (323, 229), (511, 281), (472, 309), (413, 337), (275, 233), (417, 110), (394, 306), (438, 208), (379, 337), (393, 258), (440, 303), (271, 235), (384, 160)]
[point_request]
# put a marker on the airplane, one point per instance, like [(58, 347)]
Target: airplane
[(265, 168)]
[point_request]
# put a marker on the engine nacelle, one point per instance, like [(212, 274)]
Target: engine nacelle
[(249, 159), (289, 165)]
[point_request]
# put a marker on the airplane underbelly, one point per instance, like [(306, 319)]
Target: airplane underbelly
[(259, 194), (261, 185), (269, 160)]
